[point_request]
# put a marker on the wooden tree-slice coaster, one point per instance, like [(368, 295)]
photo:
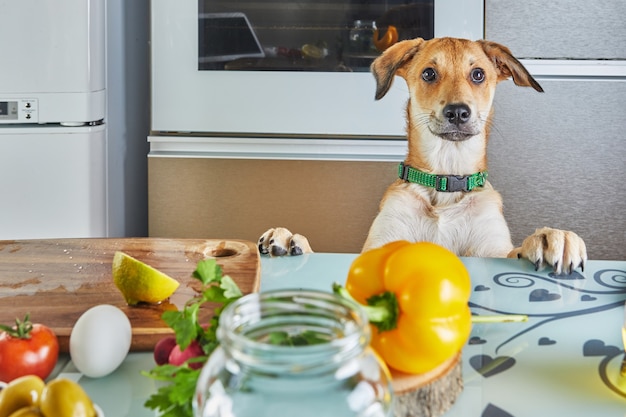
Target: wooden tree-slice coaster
[(430, 394)]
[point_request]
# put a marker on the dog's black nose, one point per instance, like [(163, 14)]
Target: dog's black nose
[(457, 113)]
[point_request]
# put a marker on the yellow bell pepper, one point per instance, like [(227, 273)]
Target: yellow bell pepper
[(416, 296), (389, 38)]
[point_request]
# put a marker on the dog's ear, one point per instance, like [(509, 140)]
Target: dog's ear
[(508, 66), (391, 62)]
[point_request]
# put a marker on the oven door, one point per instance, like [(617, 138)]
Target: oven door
[(325, 89)]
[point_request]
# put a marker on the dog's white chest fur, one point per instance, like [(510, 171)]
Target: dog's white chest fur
[(470, 224)]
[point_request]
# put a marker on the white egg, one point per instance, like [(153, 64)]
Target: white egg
[(100, 340)]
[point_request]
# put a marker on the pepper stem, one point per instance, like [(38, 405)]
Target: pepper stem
[(382, 310)]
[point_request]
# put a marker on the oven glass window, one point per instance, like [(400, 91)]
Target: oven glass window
[(313, 35)]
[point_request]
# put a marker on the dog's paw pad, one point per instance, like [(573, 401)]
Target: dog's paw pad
[(277, 250), (299, 245), (264, 242)]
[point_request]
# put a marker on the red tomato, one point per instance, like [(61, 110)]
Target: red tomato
[(27, 349)]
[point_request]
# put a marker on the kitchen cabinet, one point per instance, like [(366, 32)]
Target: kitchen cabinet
[(557, 157), (331, 202), (558, 29)]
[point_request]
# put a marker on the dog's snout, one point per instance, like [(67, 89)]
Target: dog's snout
[(457, 113)]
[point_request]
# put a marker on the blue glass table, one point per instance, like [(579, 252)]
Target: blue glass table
[(564, 361)]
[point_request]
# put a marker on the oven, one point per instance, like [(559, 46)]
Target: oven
[(295, 69)]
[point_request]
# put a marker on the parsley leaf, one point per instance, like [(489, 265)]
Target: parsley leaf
[(173, 399), (304, 338), (231, 290), (208, 272)]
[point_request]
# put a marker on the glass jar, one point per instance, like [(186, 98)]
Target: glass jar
[(362, 37), (294, 353)]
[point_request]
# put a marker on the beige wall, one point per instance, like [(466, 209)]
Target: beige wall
[(332, 203)]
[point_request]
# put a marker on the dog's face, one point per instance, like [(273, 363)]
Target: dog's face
[(451, 82)]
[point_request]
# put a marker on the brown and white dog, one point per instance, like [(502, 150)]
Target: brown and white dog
[(442, 195)]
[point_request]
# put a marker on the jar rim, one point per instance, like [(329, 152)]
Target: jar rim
[(246, 324)]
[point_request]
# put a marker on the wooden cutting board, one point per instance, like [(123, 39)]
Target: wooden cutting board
[(57, 280)]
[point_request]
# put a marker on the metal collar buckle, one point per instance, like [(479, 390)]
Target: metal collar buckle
[(451, 183)]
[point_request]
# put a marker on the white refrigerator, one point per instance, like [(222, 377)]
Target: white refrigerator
[(53, 150)]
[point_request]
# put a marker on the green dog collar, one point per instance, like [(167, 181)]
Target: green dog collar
[(445, 183)]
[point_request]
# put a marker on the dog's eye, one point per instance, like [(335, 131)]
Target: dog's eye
[(477, 75), (429, 75)]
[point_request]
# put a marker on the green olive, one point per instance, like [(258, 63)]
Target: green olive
[(24, 391), (65, 398), (27, 412)]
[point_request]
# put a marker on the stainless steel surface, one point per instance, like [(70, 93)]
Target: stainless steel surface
[(574, 29), (557, 158)]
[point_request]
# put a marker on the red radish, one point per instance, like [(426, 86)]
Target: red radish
[(178, 357), (163, 348)]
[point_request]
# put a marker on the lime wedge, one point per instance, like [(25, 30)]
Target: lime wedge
[(140, 282), (312, 51)]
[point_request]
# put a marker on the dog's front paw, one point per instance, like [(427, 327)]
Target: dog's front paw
[(280, 241), (561, 249)]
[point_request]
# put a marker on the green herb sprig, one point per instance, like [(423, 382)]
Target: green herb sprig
[(173, 398)]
